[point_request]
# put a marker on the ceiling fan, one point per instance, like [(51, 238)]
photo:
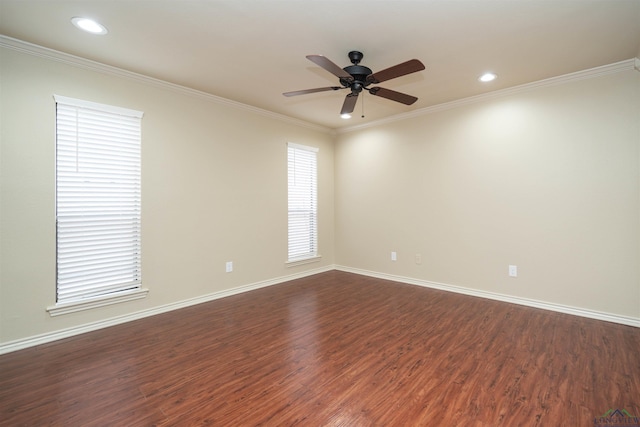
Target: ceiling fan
[(357, 77)]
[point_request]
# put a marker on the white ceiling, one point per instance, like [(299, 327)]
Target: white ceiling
[(251, 51)]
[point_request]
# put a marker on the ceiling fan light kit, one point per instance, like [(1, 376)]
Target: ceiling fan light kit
[(357, 78)]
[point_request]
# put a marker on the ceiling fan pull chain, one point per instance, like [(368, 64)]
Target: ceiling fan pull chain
[(362, 105)]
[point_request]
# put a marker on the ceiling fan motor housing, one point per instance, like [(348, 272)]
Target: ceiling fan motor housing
[(358, 72)]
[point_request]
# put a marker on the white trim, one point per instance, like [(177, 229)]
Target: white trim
[(560, 308), (303, 147), (302, 261), (81, 103), (77, 330), (76, 61), (89, 327), (76, 306), (604, 70)]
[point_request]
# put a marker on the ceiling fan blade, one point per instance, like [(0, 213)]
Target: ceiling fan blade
[(408, 67), (393, 95), (349, 103), (326, 63), (304, 92)]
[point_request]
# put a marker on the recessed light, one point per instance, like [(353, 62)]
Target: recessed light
[(345, 116), (89, 25), (487, 77)]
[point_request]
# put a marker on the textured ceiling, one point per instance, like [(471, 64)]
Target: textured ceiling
[(251, 51)]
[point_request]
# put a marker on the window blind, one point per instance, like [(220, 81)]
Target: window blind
[(98, 199), (302, 191)]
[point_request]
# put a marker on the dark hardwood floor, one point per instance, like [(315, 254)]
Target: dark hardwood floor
[(334, 349)]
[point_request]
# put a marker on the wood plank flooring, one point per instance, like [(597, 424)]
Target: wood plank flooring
[(334, 349)]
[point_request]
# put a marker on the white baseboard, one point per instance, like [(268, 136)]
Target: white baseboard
[(77, 330), (591, 314), (89, 327)]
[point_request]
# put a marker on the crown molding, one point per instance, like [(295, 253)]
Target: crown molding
[(617, 67), (54, 55), (76, 61)]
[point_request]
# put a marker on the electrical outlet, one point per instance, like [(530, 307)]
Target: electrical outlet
[(418, 259), (394, 256), (513, 271), (229, 266)]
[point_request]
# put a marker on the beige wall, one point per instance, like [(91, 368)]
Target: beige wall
[(548, 180), (214, 190)]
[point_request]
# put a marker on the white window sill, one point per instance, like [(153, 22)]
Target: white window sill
[(301, 261), (75, 306)]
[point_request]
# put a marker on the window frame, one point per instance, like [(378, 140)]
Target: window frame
[(120, 191), (308, 197)]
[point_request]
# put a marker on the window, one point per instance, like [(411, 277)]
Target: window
[(303, 206), (98, 202)]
